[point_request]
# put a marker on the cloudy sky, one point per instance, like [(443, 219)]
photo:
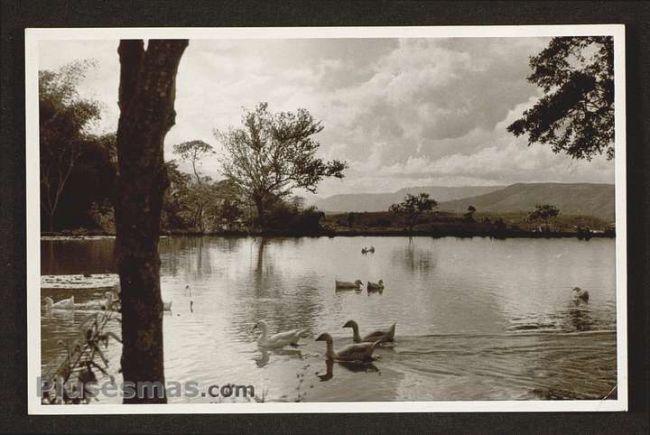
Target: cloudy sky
[(402, 112)]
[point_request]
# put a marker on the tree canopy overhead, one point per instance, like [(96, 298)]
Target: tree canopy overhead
[(576, 114), (274, 153)]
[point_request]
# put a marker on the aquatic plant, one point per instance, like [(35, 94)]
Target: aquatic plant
[(72, 380)]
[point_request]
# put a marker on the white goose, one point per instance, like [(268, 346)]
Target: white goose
[(278, 340), (63, 304), (106, 304)]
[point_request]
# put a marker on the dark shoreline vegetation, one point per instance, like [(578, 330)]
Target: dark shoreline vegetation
[(386, 224)]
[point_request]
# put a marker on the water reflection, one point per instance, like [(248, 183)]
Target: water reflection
[(349, 366), (271, 296), (477, 319), (265, 355), (579, 316), (415, 259), (63, 257)]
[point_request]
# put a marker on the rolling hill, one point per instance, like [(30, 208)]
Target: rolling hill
[(577, 198), (360, 202), (589, 199)]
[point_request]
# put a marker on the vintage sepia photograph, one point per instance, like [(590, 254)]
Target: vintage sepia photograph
[(335, 219)]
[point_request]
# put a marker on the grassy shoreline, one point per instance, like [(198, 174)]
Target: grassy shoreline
[(497, 234)]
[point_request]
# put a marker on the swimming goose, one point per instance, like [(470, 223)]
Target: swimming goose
[(581, 294), (387, 335), (361, 352), (63, 304), (278, 340), (106, 304), (346, 284), (375, 286)]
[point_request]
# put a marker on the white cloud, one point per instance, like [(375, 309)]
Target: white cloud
[(402, 112)]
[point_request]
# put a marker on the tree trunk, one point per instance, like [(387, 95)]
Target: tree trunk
[(50, 221), (259, 206), (146, 100)]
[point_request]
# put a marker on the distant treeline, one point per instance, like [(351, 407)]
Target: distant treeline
[(469, 223)]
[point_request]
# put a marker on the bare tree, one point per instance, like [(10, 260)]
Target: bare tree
[(146, 100)]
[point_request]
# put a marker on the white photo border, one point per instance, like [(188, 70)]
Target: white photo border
[(34, 35)]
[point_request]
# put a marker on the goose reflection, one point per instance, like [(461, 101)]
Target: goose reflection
[(58, 314), (265, 355), (354, 367), (579, 317)]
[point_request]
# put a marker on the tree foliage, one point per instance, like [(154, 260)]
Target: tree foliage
[(469, 215), (217, 201), (273, 154), (545, 213), (413, 206), (86, 200), (576, 114), (284, 217), (200, 193), (192, 151), (64, 118)]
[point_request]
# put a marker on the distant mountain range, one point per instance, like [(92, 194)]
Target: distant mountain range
[(577, 198), (571, 198), (360, 202)]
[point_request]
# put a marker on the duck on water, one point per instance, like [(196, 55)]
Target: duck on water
[(348, 284), (580, 294)]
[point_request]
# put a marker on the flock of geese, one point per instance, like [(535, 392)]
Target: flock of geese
[(359, 351), (362, 348)]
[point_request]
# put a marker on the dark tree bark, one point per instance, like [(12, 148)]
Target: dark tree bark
[(146, 100), (259, 206)]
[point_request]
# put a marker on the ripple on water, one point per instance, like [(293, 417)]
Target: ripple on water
[(476, 319)]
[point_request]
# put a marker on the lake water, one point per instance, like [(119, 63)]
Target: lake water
[(477, 319)]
